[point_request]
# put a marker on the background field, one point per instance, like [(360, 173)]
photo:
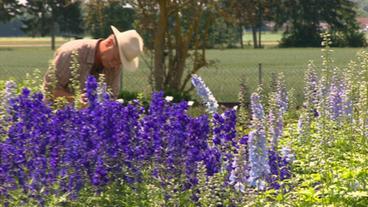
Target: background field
[(21, 55)]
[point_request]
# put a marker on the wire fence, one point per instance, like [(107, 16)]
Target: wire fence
[(223, 82)]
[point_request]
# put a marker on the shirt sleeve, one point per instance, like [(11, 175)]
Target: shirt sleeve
[(59, 75)]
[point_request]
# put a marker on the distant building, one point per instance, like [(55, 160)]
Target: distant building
[(363, 22)]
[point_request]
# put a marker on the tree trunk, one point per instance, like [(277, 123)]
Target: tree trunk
[(52, 30), (53, 36), (182, 41), (260, 21), (254, 32), (158, 45), (259, 37), (241, 36)]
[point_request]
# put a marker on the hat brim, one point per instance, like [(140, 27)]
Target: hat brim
[(131, 65)]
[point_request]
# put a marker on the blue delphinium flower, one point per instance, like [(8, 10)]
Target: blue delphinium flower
[(311, 87), (62, 151), (212, 160), (196, 146), (176, 138), (91, 88), (340, 104), (278, 107), (27, 139), (204, 92), (258, 155), (224, 133), (275, 120), (100, 174), (279, 169)]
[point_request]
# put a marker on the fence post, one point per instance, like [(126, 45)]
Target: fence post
[(260, 73)]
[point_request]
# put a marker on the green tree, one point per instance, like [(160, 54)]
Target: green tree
[(227, 28), (70, 20), (176, 37), (250, 14), (9, 9), (223, 34), (304, 19), (47, 17), (36, 19), (101, 14)]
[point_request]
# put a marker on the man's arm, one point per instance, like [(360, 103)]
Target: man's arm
[(57, 78)]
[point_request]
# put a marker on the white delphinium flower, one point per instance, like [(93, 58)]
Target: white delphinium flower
[(102, 90), (239, 172), (286, 152), (204, 92), (9, 93), (275, 119), (258, 154), (281, 93)]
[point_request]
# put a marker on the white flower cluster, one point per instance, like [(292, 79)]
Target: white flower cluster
[(258, 154), (9, 93), (204, 92)]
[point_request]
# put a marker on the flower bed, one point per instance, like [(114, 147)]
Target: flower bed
[(123, 154)]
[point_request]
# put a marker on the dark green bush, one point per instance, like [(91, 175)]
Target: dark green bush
[(348, 39), (310, 37), (177, 95), (301, 37)]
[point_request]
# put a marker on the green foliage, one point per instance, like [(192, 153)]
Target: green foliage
[(128, 95), (33, 81), (117, 194), (75, 85), (212, 190), (100, 15), (8, 9), (326, 175), (178, 96), (71, 20), (352, 38), (222, 34), (362, 9), (304, 19), (306, 36), (331, 166), (244, 105), (39, 17)]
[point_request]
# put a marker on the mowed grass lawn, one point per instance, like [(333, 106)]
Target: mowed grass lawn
[(223, 77)]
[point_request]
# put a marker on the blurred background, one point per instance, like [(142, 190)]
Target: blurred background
[(226, 42)]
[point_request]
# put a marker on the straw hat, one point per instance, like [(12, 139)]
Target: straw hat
[(130, 45)]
